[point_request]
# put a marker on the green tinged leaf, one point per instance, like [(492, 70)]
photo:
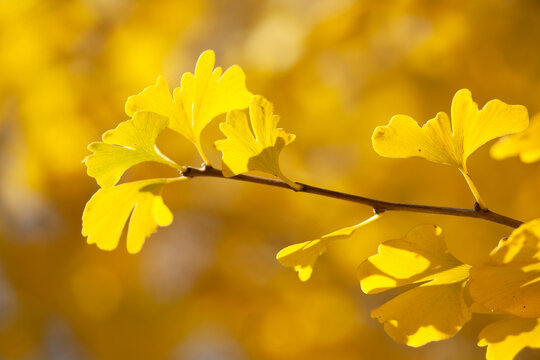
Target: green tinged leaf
[(131, 143)]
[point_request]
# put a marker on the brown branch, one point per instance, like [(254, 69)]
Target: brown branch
[(377, 205)]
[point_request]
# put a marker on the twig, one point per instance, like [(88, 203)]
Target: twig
[(377, 205)]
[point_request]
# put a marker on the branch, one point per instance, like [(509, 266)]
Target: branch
[(377, 205)]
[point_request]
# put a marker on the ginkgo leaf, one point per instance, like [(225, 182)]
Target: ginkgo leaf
[(525, 144), (435, 310), (450, 142), (510, 280), (244, 150), (106, 213), (201, 97), (505, 339), (131, 143), (302, 256), (424, 314), (420, 257)]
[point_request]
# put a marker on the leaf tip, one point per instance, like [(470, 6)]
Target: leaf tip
[(304, 272)]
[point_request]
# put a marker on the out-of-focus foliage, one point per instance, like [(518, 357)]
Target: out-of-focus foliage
[(525, 144), (208, 285)]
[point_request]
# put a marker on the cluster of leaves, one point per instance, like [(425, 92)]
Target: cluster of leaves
[(448, 292)]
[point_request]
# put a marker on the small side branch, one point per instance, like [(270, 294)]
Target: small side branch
[(378, 206)]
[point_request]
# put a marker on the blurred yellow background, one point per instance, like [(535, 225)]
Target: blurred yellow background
[(208, 286)]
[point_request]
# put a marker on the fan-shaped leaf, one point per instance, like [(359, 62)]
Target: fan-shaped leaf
[(510, 280), (201, 97), (244, 150), (131, 143), (435, 310), (106, 213)]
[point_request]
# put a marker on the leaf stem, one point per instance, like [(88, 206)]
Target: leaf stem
[(378, 206), (201, 152), (474, 190)]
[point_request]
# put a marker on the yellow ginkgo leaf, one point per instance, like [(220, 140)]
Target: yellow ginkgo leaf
[(106, 213), (302, 256), (131, 143), (424, 314), (244, 150), (510, 280), (201, 97), (505, 339), (525, 144), (450, 142), (435, 310), (420, 257)]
